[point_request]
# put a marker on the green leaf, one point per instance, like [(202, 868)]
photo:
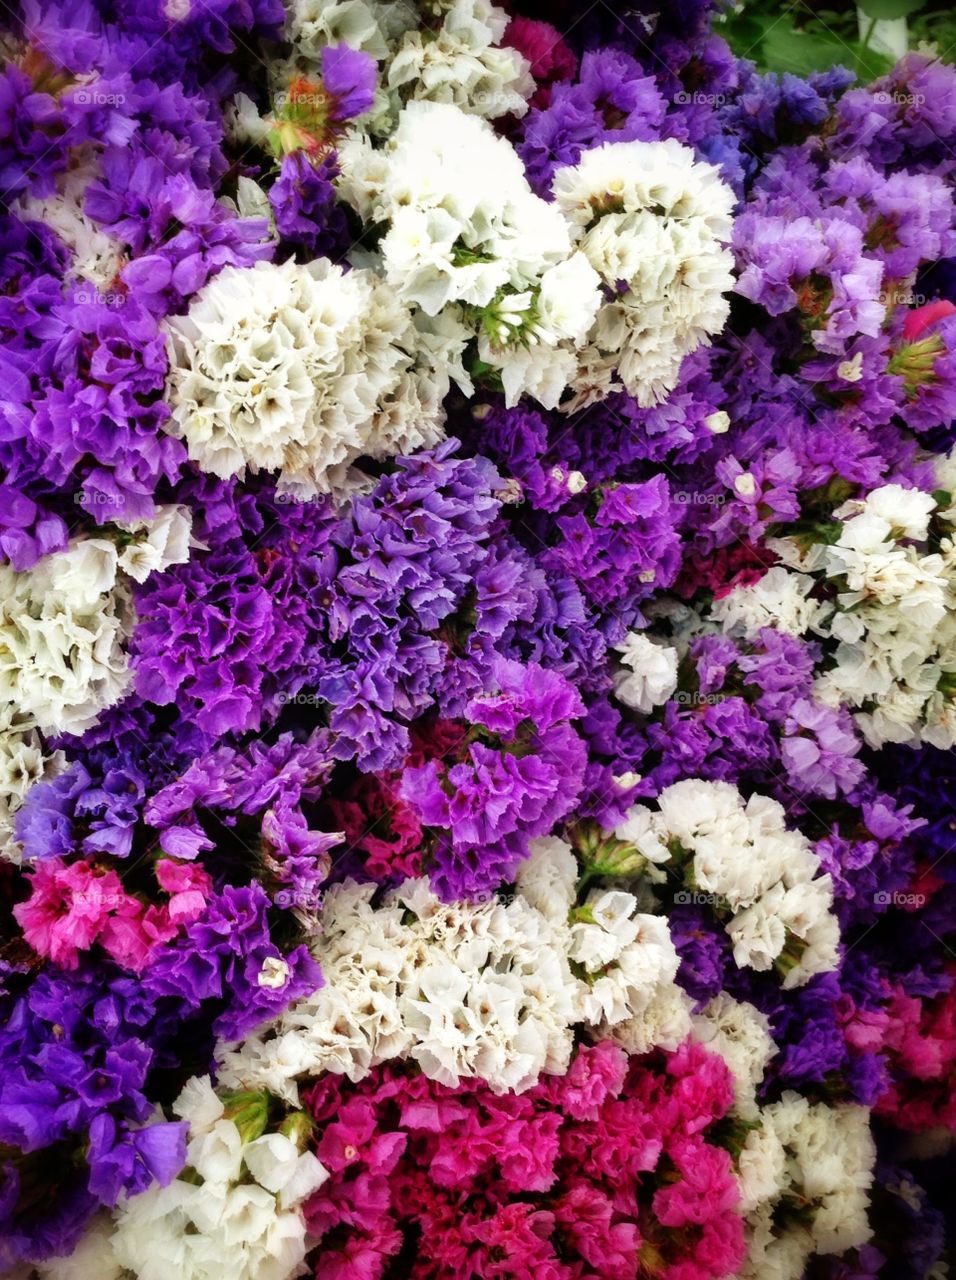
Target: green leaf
[(803, 52), (881, 9)]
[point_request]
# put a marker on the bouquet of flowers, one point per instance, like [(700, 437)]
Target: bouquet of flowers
[(477, 647)]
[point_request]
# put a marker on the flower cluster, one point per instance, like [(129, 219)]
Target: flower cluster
[(477, 659)]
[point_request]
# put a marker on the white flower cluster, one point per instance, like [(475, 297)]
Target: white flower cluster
[(457, 58), (473, 247), (241, 1220), (819, 1157), (740, 1034), (650, 674), (894, 622), (300, 370), (888, 606), (463, 63), (739, 857), (373, 26), (97, 256), (779, 599), (653, 222), (64, 622), (472, 989), (23, 763), (816, 1157)]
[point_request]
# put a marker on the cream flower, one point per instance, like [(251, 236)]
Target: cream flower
[(299, 370)]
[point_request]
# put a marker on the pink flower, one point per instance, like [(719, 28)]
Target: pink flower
[(188, 885), (551, 59), (595, 1074), (131, 935), (707, 1187), (918, 319), (67, 909)]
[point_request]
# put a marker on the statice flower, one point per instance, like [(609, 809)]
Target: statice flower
[(585, 1144), (298, 370), (304, 205), (652, 221), (225, 960), (239, 1198), (817, 268), (613, 100), (62, 646), (77, 1051), (24, 766), (776, 904), (520, 773), (469, 244), (464, 62)]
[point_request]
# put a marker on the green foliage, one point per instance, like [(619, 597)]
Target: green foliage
[(803, 37)]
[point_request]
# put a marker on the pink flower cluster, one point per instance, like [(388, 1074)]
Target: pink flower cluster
[(606, 1171), (73, 906)]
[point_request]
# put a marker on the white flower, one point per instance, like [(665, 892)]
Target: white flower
[(904, 512), (718, 422), (159, 542), (646, 832), (274, 973), (547, 878), (469, 242), (469, 989), (761, 1168), (62, 628), (297, 369), (199, 1103), (652, 677), (23, 763), (650, 217), (277, 1164), (740, 1034), (461, 64), (91, 1256), (779, 599), (369, 25), (217, 1153), (97, 256), (764, 879)]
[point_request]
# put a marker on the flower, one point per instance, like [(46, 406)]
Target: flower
[(298, 370)]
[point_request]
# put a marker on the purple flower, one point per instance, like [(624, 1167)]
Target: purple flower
[(349, 76)]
